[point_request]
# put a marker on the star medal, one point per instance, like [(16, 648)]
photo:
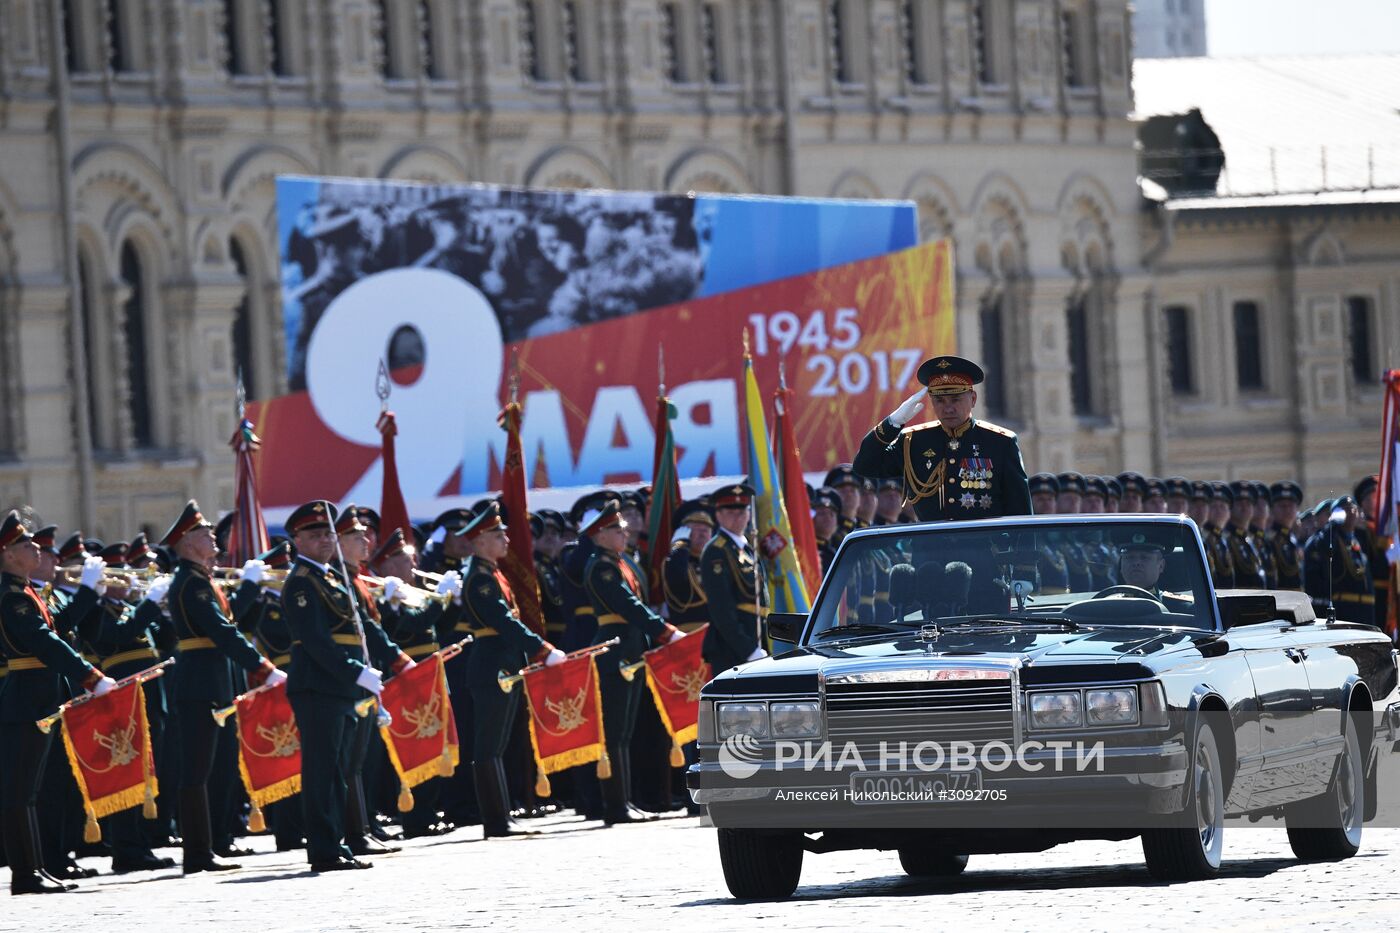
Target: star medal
[(967, 500), (985, 502)]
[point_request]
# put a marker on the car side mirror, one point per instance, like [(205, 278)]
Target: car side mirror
[(786, 626)]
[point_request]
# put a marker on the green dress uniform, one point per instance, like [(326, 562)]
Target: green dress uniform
[(1286, 557), (37, 660), (686, 603), (1245, 564), (616, 592), (1222, 568), (550, 574), (731, 576), (1339, 571), (502, 643)]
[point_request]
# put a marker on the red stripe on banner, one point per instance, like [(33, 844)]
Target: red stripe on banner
[(248, 534)]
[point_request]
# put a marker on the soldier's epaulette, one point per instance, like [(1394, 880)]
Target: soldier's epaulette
[(910, 429), (997, 429)]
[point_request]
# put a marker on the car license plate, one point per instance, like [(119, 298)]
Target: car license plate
[(912, 787)]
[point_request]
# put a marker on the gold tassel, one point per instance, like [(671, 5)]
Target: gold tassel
[(92, 833), (148, 806), (445, 766), (405, 798), (677, 756), (604, 766), (542, 788), (256, 822)]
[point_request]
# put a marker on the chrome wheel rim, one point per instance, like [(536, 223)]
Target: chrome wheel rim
[(1349, 796), (1210, 807)]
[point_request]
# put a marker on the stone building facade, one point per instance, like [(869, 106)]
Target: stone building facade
[(163, 124)]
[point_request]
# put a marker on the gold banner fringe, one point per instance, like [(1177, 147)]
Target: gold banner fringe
[(684, 735), (441, 765), (574, 756), (134, 796)]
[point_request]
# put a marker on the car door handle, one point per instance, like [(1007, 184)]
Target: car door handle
[(1295, 655)]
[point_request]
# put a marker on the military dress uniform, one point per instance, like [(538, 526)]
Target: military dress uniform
[(1375, 546), (37, 660), (1218, 557), (686, 604), (1285, 551), (731, 574), (618, 598), (1246, 564), (503, 643), (827, 498), (971, 471)]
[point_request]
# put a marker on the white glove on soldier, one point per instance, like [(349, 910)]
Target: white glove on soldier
[(158, 588), (682, 534), (105, 685), (254, 571), (757, 653), (676, 636), (370, 680), (451, 582), (276, 677), (392, 585), (93, 568), (554, 657), (901, 415)]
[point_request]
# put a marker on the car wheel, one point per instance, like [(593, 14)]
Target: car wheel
[(922, 862), (1328, 827), (760, 865), (1191, 851)]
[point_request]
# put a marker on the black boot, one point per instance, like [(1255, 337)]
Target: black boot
[(491, 799), (197, 836), (21, 850), (64, 874), (636, 812), (357, 836), (614, 790), (512, 826)]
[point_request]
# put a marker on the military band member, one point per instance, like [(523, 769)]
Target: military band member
[(503, 643), (38, 660), (1285, 553), (619, 603), (207, 640), (330, 672), (547, 529), (1335, 566), (684, 588), (1245, 564), (955, 467)]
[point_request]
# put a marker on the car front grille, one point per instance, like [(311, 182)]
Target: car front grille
[(892, 712)]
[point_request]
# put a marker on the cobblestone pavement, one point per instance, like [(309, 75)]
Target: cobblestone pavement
[(665, 876)]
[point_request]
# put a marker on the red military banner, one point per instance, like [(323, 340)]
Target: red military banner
[(269, 749), (108, 742), (421, 737), (566, 715), (675, 674)]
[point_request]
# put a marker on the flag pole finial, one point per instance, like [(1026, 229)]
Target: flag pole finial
[(745, 333), (514, 375), (661, 369), (241, 396), (382, 386), (782, 376)]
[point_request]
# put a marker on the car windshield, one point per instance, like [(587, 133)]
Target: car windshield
[(1106, 572)]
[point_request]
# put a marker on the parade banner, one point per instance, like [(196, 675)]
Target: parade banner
[(518, 565), (421, 737), (446, 284), (664, 502), (787, 588), (269, 749), (675, 674), (108, 742), (566, 715)]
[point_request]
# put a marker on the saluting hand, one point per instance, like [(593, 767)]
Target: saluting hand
[(901, 415)]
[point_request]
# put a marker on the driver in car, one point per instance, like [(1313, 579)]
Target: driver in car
[(1141, 564)]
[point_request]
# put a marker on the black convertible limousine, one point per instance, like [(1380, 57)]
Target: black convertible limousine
[(940, 701)]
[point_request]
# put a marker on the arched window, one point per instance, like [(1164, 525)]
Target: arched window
[(993, 335), (1081, 386), (138, 373)]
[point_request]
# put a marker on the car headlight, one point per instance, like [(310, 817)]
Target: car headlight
[(1056, 710), (741, 719), (795, 720), (1113, 707)]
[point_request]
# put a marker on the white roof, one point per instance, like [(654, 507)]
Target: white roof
[(1287, 124)]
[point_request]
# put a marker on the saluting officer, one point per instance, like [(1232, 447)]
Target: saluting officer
[(330, 672), (684, 587), (956, 467), (38, 661), (207, 641), (618, 597), (1335, 567), (503, 643), (1285, 553)]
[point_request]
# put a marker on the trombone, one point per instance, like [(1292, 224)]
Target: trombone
[(507, 682)]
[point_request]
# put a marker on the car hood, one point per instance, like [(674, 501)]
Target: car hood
[(1125, 652)]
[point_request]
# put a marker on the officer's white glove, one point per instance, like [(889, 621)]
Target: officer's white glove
[(93, 568), (451, 582), (254, 571), (371, 680), (158, 588), (757, 653), (554, 657), (103, 686), (276, 677), (901, 415), (682, 534), (392, 586), (676, 636)]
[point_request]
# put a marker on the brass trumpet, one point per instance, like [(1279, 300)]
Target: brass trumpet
[(113, 579), (628, 671), (414, 597), (366, 706), (507, 682), (140, 677), (227, 578)]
